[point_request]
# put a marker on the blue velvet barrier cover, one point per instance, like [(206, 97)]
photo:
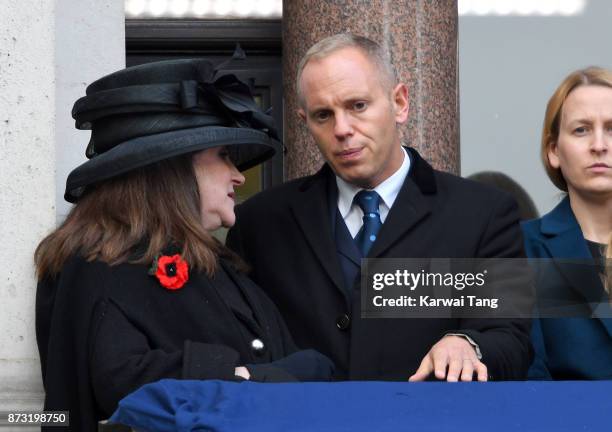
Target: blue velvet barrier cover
[(179, 405)]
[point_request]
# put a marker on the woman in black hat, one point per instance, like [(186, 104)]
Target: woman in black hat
[(132, 286)]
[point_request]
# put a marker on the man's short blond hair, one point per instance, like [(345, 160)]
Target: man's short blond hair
[(372, 50)]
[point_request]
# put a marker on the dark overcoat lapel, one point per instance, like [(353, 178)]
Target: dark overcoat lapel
[(312, 214), (413, 203)]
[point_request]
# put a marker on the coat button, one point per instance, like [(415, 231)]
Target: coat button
[(258, 347), (343, 322)]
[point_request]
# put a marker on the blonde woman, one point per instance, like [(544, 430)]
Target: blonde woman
[(576, 150)]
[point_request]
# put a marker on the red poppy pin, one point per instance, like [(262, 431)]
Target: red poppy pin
[(171, 271)]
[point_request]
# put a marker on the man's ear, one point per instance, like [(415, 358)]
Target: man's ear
[(302, 114), (553, 157), (401, 104)]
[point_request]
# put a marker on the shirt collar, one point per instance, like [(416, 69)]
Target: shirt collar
[(388, 189)]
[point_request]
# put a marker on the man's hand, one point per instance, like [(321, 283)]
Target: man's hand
[(456, 353)]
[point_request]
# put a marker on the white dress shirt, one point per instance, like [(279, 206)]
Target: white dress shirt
[(388, 191)]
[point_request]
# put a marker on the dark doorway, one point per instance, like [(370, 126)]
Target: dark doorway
[(150, 40)]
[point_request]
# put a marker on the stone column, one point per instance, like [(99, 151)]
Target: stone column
[(421, 37), (49, 51)]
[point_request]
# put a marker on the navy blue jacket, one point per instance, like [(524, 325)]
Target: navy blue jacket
[(567, 348)]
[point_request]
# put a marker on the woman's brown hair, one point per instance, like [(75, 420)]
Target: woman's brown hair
[(134, 217), (552, 120)]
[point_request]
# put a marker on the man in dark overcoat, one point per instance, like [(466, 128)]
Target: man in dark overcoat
[(305, 239)]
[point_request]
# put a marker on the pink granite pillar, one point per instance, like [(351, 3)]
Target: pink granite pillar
[(421, 37)]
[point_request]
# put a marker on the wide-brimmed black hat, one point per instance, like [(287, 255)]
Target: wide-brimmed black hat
[(151, 112)]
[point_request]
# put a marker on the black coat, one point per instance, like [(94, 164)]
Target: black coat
[(103, 332), (286, 235)]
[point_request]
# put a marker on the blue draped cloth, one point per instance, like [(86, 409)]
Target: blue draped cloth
[(181, 405)]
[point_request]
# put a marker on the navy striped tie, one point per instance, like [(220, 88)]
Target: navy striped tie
[(368, 201)]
